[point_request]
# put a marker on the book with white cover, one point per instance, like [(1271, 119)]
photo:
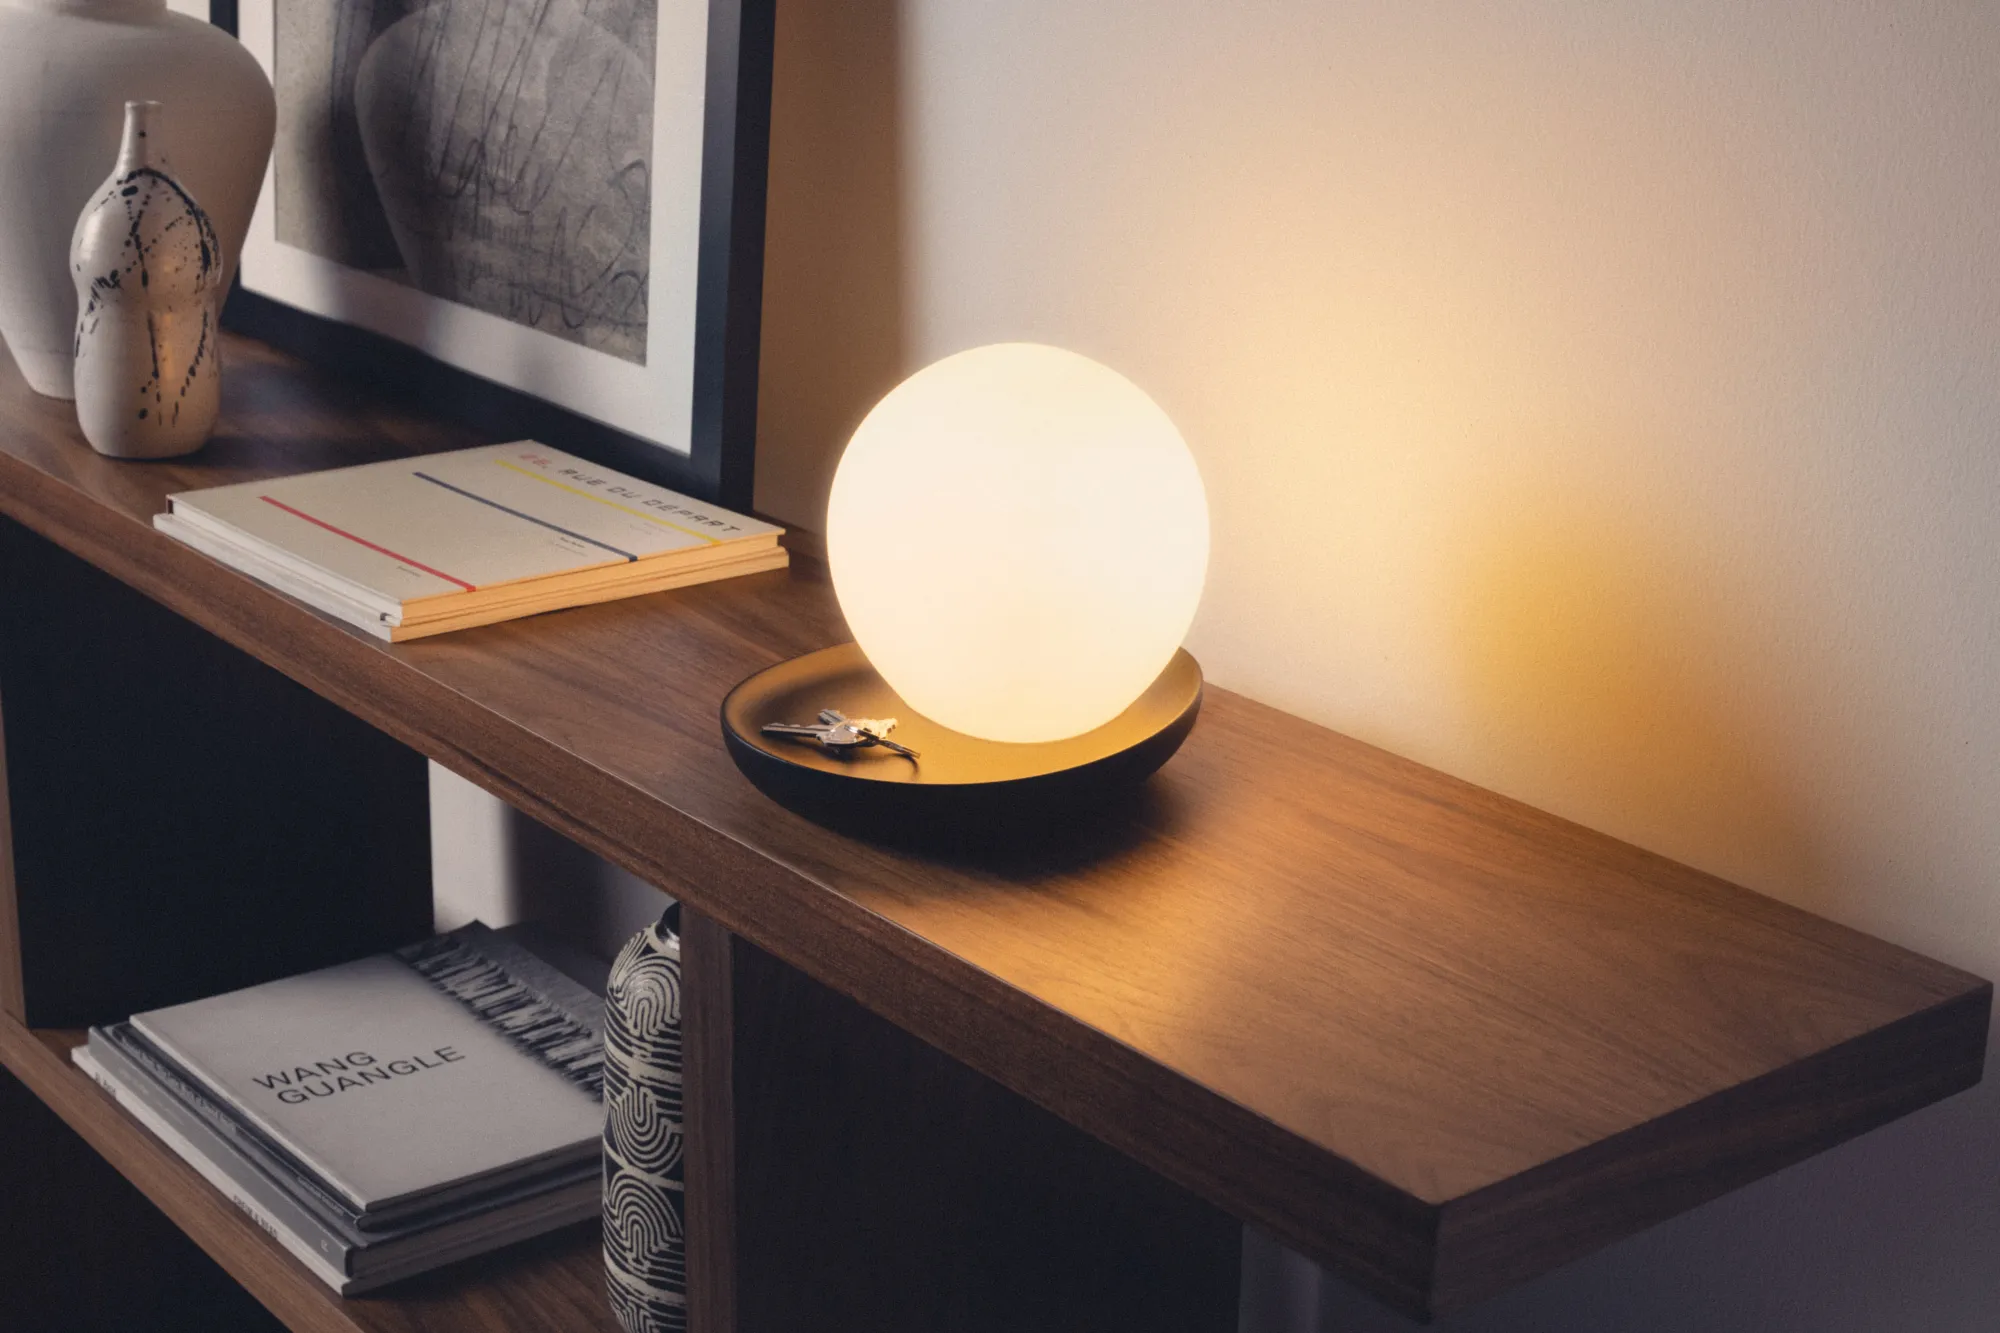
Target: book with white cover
[(347, 1259), (404, 1081), (416, 546)]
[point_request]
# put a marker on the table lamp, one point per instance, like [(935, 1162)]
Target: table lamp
[(1018, 538)]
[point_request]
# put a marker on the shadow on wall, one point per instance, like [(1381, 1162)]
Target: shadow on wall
[(1614, 660), (833, 340)]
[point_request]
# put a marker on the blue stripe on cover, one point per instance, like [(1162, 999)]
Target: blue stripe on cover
[(542, 522)]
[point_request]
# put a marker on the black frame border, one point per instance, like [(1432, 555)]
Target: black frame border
[(729, 297)]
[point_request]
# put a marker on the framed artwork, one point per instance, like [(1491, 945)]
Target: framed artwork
[(543, 217)]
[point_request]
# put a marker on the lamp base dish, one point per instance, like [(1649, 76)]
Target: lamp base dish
[(961, 786)]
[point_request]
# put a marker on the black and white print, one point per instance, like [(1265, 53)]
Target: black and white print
[(493, 153)]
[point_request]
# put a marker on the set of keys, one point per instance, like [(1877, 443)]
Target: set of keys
[(842, 734)]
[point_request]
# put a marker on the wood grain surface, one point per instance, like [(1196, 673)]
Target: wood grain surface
[(1427, 1035), (556, 1282)]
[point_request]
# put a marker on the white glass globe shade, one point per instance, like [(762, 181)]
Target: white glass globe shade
[(1018, 538)]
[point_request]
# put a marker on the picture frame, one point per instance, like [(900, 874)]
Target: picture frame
[(682, 412)]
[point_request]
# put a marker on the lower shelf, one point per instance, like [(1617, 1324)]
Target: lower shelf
[(556, 1282)]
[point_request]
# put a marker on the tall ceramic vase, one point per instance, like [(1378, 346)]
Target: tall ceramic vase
[(148, 272), (67, 68), (645, 1246)]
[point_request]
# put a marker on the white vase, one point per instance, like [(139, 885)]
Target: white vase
[(67, 68), (148, 271)]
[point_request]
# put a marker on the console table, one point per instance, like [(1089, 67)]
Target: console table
[(1434, 1039)]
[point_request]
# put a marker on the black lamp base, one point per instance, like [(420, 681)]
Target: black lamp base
[(961, 788)]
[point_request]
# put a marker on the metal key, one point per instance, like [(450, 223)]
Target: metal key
[(875, 730), (839, 733), (812, 731)]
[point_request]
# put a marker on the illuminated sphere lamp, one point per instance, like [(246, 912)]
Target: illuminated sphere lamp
[(1018, 538)]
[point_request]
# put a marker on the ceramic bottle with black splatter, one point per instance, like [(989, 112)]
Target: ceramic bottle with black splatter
[(149, 285)]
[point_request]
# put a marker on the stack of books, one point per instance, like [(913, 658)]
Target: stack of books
[(419, 546), (386, 1116)]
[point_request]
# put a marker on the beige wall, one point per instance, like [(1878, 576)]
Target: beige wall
[(1600, 401)]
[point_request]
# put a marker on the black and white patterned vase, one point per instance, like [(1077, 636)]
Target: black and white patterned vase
[(645, 1241), (148, 270)]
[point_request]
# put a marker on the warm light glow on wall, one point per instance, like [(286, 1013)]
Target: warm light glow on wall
[(1018, 538)]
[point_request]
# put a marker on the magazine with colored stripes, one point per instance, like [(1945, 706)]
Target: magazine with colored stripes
[(417, 546)]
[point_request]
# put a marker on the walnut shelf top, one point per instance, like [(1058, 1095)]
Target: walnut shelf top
[(1434, 1038)]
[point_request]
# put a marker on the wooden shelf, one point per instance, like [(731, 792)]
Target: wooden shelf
[(553, 1283), (1433, 1038)]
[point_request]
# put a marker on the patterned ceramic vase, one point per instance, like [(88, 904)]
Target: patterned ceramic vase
[(645, 1248), (149, 283)]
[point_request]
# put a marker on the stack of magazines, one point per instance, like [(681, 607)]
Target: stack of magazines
[(386, 1116), (418, 546)]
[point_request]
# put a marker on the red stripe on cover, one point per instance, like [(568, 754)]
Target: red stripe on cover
[(363, 541)]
